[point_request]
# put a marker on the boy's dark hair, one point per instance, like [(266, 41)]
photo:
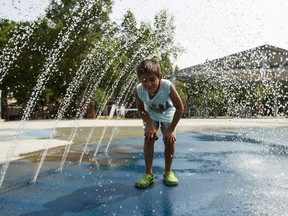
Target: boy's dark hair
[(149, 66)]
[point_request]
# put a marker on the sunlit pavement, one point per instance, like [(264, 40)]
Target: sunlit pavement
[(228, 172)]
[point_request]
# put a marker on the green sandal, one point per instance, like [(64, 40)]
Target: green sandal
[(170, 179), (145, 181)]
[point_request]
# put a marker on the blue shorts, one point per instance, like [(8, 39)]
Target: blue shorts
[(163, 126)]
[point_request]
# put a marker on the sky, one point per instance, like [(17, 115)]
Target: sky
[(206, 29)]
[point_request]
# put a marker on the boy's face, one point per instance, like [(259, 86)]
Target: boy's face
[(150, 83)]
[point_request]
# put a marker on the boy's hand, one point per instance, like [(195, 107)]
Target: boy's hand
[(150, 134), (170, 137)]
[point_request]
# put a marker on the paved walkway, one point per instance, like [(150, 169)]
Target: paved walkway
[(29, 132), (193, 123), (239, 170)]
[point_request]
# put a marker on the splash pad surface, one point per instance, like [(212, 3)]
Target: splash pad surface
[(236, 171)]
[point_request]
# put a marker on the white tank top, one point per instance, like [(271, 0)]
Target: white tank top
[(160, 108)]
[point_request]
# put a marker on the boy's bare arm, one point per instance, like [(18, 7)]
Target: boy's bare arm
[(145, 117), (178, 104)]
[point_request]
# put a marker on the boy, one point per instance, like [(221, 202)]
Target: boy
[(159, 104)]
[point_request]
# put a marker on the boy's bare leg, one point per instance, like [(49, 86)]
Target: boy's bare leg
[(148, 155), (169, 154)]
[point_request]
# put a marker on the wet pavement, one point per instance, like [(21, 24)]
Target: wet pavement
[(229, 172)]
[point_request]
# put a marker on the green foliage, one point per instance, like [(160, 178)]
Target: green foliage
[(76, 51), (6, 28)]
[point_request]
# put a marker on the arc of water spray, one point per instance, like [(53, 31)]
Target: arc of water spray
[(65, 103), (53, 57), (112, 111), (73, 86), (80, 114), (28, 110), (67, 149), (105, 128), (91, 133), (10, 153), (93, 128), (140, 52), (127, 44), (115, 129), (10, 54), (89, 136)]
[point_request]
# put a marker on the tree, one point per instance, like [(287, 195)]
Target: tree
[(75, 53)]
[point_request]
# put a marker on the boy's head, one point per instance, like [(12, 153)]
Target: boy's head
[(149, 66)]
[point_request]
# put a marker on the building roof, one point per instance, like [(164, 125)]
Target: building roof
[(255, 61)]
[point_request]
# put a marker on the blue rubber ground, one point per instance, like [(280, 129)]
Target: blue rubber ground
[(219, 172)]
